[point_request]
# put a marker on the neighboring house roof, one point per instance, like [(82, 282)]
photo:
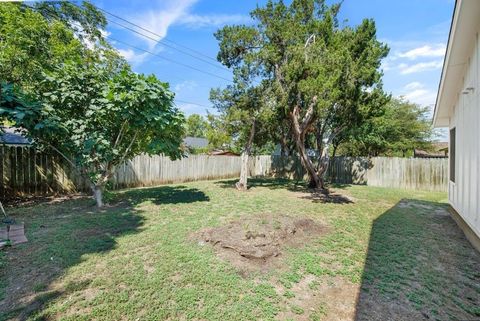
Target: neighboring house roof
[(195, 142), (465, 24), (223, 153), (440, 150), (12, 136)]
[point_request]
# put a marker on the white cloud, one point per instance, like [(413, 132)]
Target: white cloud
[(424, 51), (419, 94), (406, 69), (160, 19), (185, 86), (215, 20), (413, 85), (105, 33), (132, 57)]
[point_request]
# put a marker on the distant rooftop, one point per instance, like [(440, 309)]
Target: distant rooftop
[(12, 136), (195, 142)]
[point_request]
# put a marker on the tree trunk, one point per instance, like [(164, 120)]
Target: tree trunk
[(323, 166), (242, 183), (324, 159), (98, 194), (334, 152), (299, 131)]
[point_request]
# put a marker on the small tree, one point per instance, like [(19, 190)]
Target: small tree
[(245, 110), (196, 126), (97, 120)]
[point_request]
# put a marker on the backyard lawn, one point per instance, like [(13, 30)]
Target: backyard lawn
[(164, 253)]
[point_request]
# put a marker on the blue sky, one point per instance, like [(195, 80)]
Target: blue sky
[(415, 30)]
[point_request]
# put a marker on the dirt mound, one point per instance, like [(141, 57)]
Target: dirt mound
[(256, 243)]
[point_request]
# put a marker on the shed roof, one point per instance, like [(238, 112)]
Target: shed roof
[(195, 142), (13, 136)]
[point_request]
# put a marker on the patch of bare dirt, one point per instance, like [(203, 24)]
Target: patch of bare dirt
[(332, 299), (256, 244)]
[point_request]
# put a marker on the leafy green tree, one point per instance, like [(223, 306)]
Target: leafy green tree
[(218, 132), (325, 78), (402, 127), (98, 120), (36, 38), (196, 126), (247, 112)]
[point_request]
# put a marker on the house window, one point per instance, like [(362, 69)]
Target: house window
[(452, 154)]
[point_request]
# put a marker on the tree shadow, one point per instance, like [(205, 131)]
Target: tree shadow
[(59, 236), (271, 183), (419, 266), (164, 195), (320, 197)]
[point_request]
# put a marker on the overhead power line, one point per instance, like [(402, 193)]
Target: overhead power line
[(169, 46), (168, 59), (164, 58), (191, 103), (156, 34)]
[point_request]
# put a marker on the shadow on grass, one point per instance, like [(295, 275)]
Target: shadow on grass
[(272, 183), (60, 235), (294, 186), (419, 266), (164, 195)]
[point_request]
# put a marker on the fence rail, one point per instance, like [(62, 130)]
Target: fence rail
[(429, 174), (23, 171)]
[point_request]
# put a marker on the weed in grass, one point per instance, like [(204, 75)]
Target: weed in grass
[(297, 310)]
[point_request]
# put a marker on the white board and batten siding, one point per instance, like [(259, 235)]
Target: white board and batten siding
[(458, 108), (464, 193)]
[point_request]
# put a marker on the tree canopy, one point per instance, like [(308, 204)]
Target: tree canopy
[(70, 91), (97, 121), (402, 127), (196, 126), (35, 39), (325, 78)]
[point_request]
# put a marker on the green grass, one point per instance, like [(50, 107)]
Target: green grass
[(136, 260)]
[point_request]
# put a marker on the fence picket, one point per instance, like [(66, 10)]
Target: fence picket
[(24, 171)]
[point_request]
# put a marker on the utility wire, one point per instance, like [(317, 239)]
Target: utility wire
[(158, 35), (167, 45), (191, 103), (168, 59), (154, 54)]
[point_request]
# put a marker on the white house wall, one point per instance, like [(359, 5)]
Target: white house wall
[(464, 194)]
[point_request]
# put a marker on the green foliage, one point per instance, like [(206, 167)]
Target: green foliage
[(36, 39), (217, 132), (196, 126), (402, 127), (241, 108), (324, 79), (99, 119)]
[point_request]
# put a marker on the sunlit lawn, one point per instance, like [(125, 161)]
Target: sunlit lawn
[(136, 260)]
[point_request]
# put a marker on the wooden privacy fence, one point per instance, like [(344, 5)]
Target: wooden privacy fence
[(23, 171), (429, 174), (155, 170)]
